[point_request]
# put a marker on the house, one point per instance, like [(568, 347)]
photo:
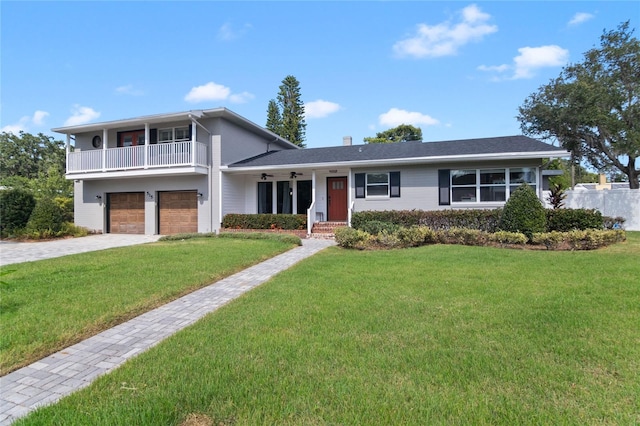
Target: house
[(183, 172)]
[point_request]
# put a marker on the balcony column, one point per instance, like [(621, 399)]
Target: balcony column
[(146, 145), (193, 142), (105, 135)]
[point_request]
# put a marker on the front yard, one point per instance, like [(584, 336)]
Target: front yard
[(48, 305), (439, 334)]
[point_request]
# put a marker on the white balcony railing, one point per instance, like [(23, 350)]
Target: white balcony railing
[(134, 157)]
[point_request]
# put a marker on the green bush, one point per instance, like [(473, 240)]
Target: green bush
[(590, 239), (484, 220), (374, 227), (551, 240), (523, 212), (505, 237), (16, 206), (351, 238), (416, 236), (47, 218), (464, 236), (265, 221), (564, 220)]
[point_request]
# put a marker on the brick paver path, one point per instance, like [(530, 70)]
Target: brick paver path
[(51, 378)]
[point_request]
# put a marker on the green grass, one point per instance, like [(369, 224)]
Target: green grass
[(432, 335), (50, 304)]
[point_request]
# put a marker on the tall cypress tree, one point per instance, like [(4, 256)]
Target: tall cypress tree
[(285, 116)]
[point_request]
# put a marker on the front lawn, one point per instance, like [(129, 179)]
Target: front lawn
[(431, 335), (50, 304)]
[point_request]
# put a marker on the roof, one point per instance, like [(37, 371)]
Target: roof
[(169, 117), (407, 152)]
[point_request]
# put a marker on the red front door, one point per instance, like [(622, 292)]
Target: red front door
[(131, 138), (337, 199)]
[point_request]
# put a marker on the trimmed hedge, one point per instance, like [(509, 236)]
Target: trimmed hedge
[(265, 221), (523, 212), (565, 220), (483, 220)]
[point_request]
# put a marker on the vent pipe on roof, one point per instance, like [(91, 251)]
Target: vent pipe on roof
[(347, 141)]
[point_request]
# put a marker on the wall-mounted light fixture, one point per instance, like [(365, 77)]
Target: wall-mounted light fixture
[(149, 195), (199, 194), (99, 197)]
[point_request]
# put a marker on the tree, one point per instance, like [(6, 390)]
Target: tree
[(274, 119), (592, 108), (285, 116), (30, 156), (402, 133)]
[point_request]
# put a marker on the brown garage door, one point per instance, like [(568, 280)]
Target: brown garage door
[(126, 213), (178, 212)]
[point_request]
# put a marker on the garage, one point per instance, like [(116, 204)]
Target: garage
[(178, 212), (126, 213)]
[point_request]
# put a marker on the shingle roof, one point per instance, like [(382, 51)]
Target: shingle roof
[(400, 151)]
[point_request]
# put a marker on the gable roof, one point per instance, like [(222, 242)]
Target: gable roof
[(506, 147)]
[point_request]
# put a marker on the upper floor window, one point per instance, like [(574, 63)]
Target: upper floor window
[(174, 134)]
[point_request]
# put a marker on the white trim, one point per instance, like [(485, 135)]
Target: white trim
[(404, 161), (188, 170)]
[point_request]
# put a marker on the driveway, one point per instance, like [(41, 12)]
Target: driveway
[(17, 252)]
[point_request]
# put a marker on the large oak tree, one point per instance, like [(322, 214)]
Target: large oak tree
[(402, 133), (592, 108)]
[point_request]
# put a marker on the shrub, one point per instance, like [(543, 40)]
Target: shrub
[(16, 206), (374, 227), (351, 238), (506, 237), (415, 236), (468, 237), (47, 219), (551, 240), (523, 212), (265, 221), (389, 239), (564, 220), (484, 220), (591, 239)]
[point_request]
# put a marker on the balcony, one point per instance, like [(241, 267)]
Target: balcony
[(143, 160)]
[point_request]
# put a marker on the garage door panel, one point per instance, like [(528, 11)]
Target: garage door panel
[(126, 213), (178, 212)]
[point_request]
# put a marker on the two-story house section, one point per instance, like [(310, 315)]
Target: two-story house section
[(159, 174), (183, 172)]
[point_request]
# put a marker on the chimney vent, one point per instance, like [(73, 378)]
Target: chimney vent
[(347, 141)]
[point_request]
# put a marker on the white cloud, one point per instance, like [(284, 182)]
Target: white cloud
[(23, 124), (320, 108), (208, 92), (580, 17), (532, 58), (445, 39), (216, 92), (129, 90), (395, 117), (529, 61), (494, 68), (241, 98), (38, 117), (227, 33), (81, 115)]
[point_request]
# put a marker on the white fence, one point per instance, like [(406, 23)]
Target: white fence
[(613, 203)]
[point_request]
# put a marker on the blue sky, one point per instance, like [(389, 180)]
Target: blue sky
[(455, 69)]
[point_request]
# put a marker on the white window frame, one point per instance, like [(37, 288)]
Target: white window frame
[(508, 185), (174, 133), (377, 184)]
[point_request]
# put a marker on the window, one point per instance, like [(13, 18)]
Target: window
[(482, 185), (377, 185), (265, 197), (177, 134)]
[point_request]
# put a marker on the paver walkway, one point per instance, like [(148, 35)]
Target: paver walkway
[(48, 380)]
